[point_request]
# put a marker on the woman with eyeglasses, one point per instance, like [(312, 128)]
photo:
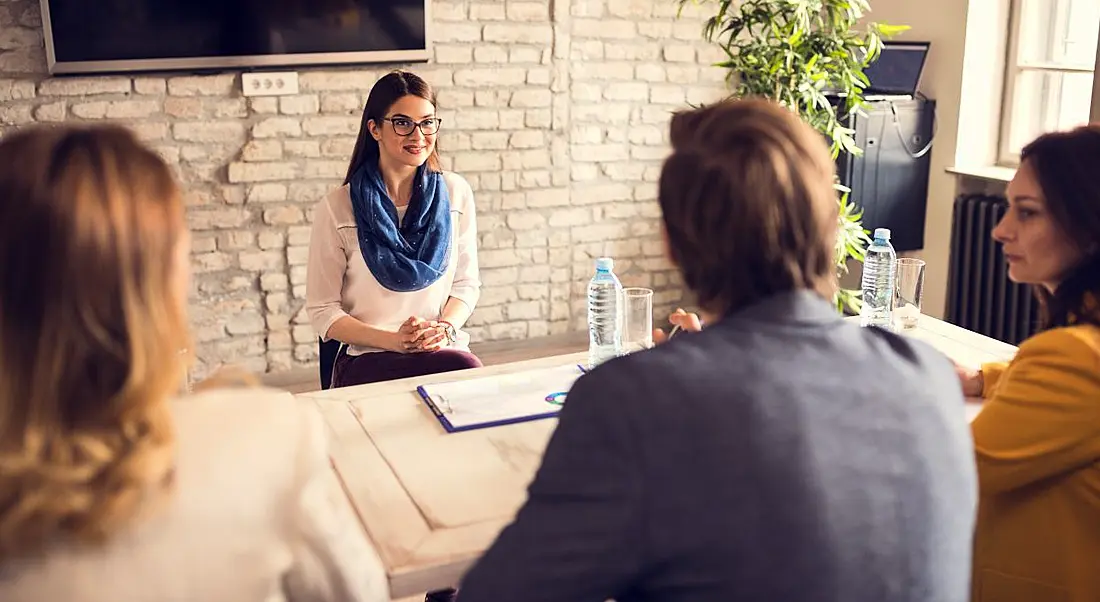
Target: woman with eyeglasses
[(392, 271)]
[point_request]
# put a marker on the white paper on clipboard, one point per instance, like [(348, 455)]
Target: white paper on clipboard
[(501, 399)]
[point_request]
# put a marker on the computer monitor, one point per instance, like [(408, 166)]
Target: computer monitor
[(898, 69)]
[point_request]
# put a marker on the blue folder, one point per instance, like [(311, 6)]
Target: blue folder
[(441, 415)]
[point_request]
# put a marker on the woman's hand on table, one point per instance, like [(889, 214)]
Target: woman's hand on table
[(686, 321), (970, 379)]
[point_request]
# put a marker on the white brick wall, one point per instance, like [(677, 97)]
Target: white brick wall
[(556, 113)]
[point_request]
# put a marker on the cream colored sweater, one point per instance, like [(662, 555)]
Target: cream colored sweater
[(257, 515)]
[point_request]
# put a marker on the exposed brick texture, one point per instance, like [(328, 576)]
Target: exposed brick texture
[(556, 113)]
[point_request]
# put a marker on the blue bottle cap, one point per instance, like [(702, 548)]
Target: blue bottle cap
[(605, 264), (882, 234)]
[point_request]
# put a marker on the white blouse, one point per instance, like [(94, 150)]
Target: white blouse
[(339, 283)]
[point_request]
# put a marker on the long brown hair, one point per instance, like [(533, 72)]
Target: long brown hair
[(748, 204), (1066, 165), (386, 91), (92, 321)]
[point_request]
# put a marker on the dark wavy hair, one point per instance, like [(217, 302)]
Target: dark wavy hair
[(1066, 165), (386, 91)]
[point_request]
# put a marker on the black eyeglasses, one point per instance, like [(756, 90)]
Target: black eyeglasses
[(403, 126)]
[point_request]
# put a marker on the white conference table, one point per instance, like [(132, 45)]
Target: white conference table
[(433, 502)]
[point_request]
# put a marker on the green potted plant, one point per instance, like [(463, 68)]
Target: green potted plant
[(808, 55)]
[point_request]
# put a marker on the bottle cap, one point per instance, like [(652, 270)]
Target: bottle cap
[(605, 264), (882, 234)]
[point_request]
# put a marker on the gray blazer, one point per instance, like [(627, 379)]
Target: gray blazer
[(783, 454)]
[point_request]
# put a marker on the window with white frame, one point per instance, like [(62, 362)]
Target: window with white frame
[(1049, 80)]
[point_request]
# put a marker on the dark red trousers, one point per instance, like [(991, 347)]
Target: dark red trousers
[(389, 365)]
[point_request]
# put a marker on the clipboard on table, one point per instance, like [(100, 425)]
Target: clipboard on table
[(488, 401)]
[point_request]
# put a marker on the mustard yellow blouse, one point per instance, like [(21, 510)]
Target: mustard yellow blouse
[(1037, 442)]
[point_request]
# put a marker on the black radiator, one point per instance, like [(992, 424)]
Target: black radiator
[(980, 297)]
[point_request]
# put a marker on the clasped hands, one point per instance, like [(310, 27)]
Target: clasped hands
[(417, 335)]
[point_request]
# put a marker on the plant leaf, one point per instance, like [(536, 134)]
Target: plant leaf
[(889, 31), (794, 52)]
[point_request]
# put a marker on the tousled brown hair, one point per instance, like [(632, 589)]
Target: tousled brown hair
[(748, 204), (92, 322), (391, 88), (1065, 165)]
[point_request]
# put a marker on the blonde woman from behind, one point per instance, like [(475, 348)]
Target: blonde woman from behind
[(110, 489)]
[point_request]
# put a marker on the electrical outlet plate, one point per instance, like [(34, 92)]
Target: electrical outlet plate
[(274, 83)]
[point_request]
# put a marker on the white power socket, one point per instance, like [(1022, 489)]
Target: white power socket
[(275, 83)]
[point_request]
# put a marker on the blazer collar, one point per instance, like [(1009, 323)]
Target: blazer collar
[(802, 306)]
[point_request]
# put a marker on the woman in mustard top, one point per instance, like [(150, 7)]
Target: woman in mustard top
[(1037, 438)]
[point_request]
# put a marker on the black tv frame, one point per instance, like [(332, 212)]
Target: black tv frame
[(243, 62)]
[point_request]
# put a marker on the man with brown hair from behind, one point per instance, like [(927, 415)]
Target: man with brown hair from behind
[(780, 454)]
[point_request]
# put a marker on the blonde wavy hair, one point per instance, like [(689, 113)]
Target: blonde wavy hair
[(92, 321)]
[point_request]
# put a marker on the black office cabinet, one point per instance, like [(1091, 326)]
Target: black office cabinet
[(888, 181)]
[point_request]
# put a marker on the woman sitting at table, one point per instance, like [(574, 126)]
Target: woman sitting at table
[(393, 255), (1037, 438), (111, 490)]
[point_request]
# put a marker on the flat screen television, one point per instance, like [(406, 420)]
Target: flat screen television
[(106, 36)]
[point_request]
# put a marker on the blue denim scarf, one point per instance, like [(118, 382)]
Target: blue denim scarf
[(412, 255)]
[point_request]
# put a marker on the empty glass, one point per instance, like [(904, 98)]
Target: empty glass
[(909, 286), (637, 319)]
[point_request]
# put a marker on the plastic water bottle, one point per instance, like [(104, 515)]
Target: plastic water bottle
[(604, 314), (879, 267)]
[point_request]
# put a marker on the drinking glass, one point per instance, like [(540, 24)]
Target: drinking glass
[(637, 319), (909, 287)]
